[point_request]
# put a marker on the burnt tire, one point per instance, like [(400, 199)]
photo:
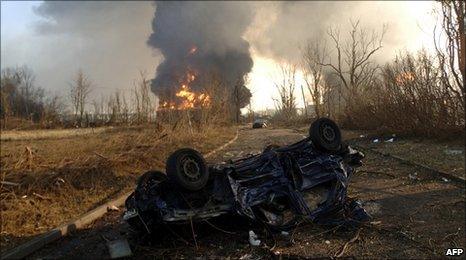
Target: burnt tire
[(187, 168), (325, 135)]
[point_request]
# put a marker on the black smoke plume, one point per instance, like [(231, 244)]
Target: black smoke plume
[(200, 38)]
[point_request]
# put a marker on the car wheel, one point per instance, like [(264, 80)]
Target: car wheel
[(187, 168), (325, 135)]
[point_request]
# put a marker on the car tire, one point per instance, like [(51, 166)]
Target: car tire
[(325, 135), (187, 168)]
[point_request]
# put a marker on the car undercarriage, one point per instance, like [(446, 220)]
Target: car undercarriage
[(280, 187)]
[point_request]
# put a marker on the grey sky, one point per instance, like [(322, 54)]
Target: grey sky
[(108, 39)]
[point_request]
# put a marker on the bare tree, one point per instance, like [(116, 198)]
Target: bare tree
[(53, 106), (21, 98), (452, 58), (314, 55), (144, 104), (219, 107), (353, 57), (26, 78), (286, 104), (79, 91)]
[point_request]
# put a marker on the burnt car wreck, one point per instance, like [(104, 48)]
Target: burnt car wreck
[(283, 185)]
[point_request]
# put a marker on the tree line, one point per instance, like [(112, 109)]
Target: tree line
[(415, 93), (24, 104)]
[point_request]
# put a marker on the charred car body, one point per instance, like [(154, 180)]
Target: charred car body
[(259, 123), (279, 187)]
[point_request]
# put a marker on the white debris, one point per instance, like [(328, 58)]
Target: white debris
[(284, 233), (362, 136), (376, 141), (372, 207), (390, 140), (119, 248), (253, 241), (113, 208), (453, 152), (24, 196), (59, 181), (327, 242), (246, 256), (445, 179), (413, 176)]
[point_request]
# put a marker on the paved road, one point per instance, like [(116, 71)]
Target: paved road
[(416, 214)]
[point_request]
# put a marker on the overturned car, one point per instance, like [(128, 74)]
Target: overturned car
[(279, 187)]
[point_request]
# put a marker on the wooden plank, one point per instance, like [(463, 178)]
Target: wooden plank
[(38, 242)]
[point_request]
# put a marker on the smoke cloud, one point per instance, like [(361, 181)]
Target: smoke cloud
[(200, 38), (112, 41), (107, 40), (281, 29)]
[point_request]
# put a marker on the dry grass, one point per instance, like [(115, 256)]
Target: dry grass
[(60, 179), (13, 135)]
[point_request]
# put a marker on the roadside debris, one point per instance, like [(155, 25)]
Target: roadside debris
[(253, 239), (453, 152), (372, 207), (113, 208), (445, 179), (343, 249), (59, 181), (413, 176), (40, 196), (376, 141), (119, 248), (390, 140), (278, 187), (9, 183), (246, 256)]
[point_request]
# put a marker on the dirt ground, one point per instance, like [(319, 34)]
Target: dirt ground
[(412, 218), (446, 156)]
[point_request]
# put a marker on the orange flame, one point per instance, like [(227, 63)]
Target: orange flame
[(192, 50), (405, 77), (189, 99)]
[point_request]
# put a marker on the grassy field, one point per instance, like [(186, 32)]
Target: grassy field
[(14, 135), (50, 177), (413, 218)]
